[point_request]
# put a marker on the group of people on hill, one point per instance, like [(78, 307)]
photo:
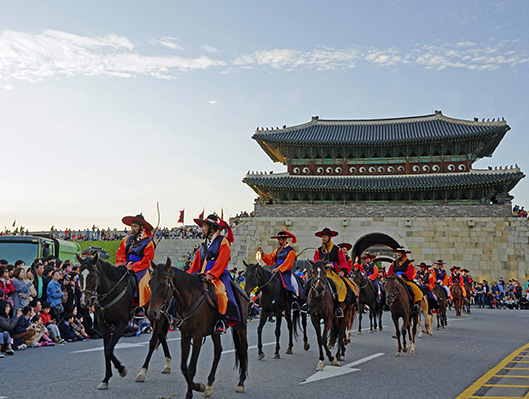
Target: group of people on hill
[(519, 212)]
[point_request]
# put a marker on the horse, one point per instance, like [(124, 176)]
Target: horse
[(197, 315), (442, 300), (457, 295), (468, 298), (274, 299), (321, 306), (368, 295), (400, 304), (108, 289), (426, 314)]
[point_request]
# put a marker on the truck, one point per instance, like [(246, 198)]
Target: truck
[(30, 247)]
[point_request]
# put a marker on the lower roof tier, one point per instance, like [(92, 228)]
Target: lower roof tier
[(476, 186)]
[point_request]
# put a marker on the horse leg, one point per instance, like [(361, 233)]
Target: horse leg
[(415, 318), (360, 309), (372, 320), (288, 319), (405, 327), (317, 328), (262, 321), (119, 329), (306, 344), (192, 368), (279, 317), (420, 326), (380, 312), (105, 331), (152, 345), (217, 351), (163, 339), (240, 341), (397, 333), (328, 325), (185, 346)]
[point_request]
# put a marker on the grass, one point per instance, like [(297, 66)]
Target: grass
[(110, 246)]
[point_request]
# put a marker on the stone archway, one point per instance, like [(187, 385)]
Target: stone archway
[(372, 239)]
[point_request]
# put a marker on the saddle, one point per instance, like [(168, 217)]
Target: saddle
[(237, 288)]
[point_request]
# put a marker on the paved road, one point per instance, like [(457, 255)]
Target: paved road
[(443, 367)]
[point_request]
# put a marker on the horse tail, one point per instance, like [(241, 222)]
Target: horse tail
[(296, 324), (241, 350)]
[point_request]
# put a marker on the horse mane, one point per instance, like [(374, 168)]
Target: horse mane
[(186, 281), (110, 270)]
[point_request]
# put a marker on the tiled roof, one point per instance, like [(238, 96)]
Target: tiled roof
[(433, 127), (386, 183)]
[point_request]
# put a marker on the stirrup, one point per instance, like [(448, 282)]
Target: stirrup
[(295, 305), (338, 313), (220, 327), (304, 308)]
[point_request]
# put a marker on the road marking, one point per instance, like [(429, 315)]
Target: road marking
[(460, 319), (333, 371), (483, 381), (124, 345)]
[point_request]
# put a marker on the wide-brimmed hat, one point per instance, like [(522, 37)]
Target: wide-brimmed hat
[(345, 245), (218, 223), (401, 250), (454, 268), (326, 232), (439, 262), (138, 219), (285, 234), (465, 270), (424, 265), (368, 256)]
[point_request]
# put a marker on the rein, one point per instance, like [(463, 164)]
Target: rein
[(98, 297)]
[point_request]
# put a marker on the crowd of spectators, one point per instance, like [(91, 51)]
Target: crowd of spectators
[(518, 212), (184, 232), (501, 295)]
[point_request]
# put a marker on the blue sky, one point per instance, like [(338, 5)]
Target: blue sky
[(109, 107)]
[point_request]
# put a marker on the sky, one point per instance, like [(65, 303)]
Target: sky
[(107, 108)]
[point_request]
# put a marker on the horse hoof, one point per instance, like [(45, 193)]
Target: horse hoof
[(103, 386), (141, 375), (319, 367), (412, 350), (208, 391), (276, 356), (166, 370), (335, 362), (359, 333), (123, 372), (398, 354), (341, 358), (419, 335), (371, 331), (239, 389), (261, 356), (289, 352), (202, 388), (306, 346), (380, 329), (394, 336)]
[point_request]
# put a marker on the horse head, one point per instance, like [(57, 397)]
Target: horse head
[(392, 287), (162, 290), (253, 276), (318, 276), (88, 277)]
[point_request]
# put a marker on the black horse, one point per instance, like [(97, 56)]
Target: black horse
[(368, 296), (108, 289), (274, 298), (196, 317), (442, 300)]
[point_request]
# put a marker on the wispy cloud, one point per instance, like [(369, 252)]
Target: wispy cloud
[(213, 102), (54, 54), (210, 49)]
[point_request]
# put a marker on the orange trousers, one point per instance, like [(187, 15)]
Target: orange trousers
[(220, 293)]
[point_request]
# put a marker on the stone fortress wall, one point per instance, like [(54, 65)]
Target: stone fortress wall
[(481, 238)]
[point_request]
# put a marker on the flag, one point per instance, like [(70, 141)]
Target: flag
[(201, 216), (15, 222), (181, 217), (222, 213)]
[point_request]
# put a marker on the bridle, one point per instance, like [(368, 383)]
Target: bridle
[(96, 297), (390, 297)]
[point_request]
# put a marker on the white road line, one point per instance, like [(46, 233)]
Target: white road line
[(461, 319), (333, 371), (521, 317)]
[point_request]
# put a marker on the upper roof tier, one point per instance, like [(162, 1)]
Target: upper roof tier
[(436, 129)]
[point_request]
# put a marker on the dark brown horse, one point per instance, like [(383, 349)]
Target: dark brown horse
[(468, 298), (108, 289), (196, 318), (321, 306), (400, 304), (457, 297), (368, 295), (274, 299), (442, 300)]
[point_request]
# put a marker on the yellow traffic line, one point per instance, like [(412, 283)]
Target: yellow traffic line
[(469, 393)]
